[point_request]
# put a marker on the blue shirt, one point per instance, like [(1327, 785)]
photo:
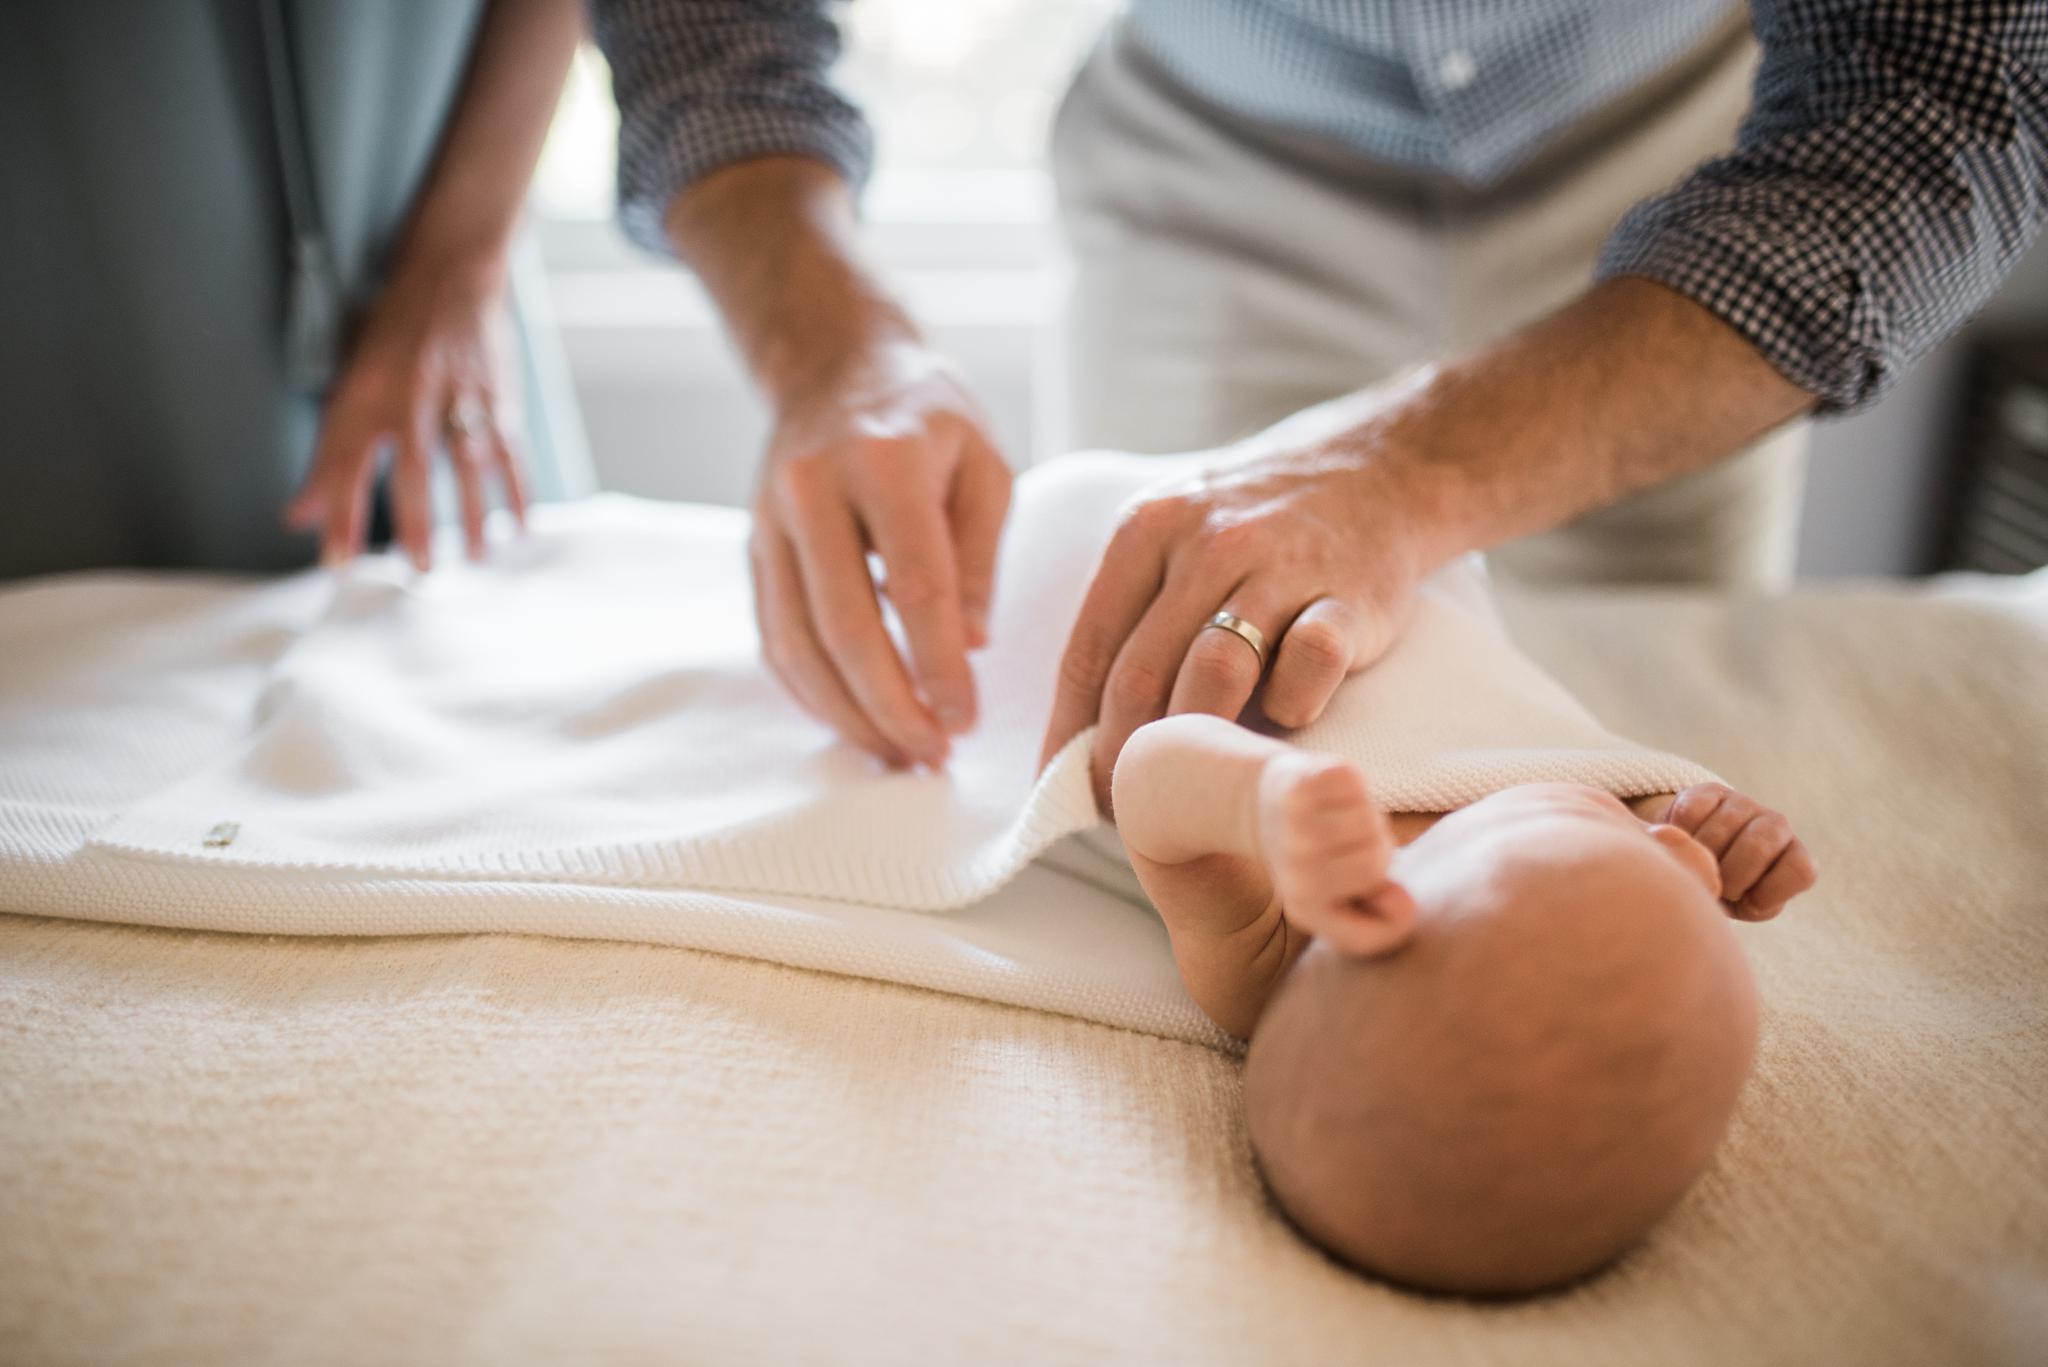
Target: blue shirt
[(1892, 168)]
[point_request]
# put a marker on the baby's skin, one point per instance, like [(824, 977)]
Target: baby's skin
[(1489, 1048)]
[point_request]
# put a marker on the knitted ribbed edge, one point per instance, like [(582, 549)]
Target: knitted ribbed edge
[(1120, 975), (1060, 803)]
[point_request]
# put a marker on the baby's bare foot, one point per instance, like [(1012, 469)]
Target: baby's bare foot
[(1328, 849)]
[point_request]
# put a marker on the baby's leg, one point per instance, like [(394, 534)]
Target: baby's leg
[(1249, 847)]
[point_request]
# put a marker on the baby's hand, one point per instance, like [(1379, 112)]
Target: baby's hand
[(1763, 865), (1327, 847)]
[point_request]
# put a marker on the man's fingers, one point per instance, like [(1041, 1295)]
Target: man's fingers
[(1220, 670), (792, 650), (848, 620), (1315, 655), (916, 545), (980, 501), (1147, 668), (1124, 586)]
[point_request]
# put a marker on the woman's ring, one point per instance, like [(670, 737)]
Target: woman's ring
[(465, 419), (1244, 631)]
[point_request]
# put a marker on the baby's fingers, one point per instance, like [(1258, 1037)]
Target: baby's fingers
[(1793, 873), (1693, 806), (1752, 852), (1369, 927)]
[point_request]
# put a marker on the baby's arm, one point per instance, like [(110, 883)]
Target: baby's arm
[(1224, 826)]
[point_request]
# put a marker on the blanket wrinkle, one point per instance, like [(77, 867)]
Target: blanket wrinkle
[(554, 723)]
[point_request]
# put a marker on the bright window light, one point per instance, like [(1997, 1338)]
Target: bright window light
[(957, 90)]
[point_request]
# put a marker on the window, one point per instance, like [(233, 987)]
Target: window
[(958, 214)]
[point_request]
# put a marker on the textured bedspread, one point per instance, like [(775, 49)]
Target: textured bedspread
[(498, 1148)]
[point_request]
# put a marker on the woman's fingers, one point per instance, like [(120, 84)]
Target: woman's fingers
[(308, 509), (509, 458), (791, 647), (466, 452), (335, 497), (412, 488), (1315, 655), (347, 529)]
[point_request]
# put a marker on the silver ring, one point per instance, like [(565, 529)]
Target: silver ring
[(465, 419), (1244, 631)]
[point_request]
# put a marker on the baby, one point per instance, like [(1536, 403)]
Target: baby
[(1489, 1049)]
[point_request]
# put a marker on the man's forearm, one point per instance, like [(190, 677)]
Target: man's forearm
[(772, 240), (1630, 385)]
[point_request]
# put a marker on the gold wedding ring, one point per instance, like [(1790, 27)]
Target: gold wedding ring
[(1244, 631)]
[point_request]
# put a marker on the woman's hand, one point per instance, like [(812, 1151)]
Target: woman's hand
[(885, 455), (430, 371)]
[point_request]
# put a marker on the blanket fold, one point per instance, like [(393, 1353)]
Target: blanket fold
[(490, 747)]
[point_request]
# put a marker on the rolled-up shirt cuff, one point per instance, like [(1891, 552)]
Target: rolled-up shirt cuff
[(1793, 295), (651, 174)]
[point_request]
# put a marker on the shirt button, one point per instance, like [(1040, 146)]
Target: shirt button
[(1456, 69)]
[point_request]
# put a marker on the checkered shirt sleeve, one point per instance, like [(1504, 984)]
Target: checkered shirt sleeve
[(1893, 167), (703, 83)]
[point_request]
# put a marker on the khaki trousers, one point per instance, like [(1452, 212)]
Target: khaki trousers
[(1227, 275)]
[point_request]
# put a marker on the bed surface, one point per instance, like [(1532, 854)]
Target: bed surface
[(499, 1148)]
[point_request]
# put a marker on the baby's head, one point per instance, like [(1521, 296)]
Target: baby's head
[(1512, 1095)]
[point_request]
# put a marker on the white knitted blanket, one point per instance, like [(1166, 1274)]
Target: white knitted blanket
[(577, 739)]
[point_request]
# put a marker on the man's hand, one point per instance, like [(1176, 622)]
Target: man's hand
[(876, 448), (1321, 546), (1309, 546), (886, 456)]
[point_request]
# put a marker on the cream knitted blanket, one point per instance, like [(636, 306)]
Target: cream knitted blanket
[(577, 739)]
